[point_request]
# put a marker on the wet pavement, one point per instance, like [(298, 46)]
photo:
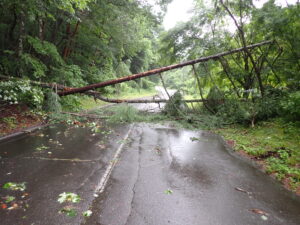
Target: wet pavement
[(52, 161), (170, 176), (162, 176)]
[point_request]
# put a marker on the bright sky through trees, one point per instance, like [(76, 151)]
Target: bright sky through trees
[(179, 10)]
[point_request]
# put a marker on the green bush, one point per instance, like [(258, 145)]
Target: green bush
[(174, 105), (123, 113), (215, 97), (52, 102), (15, 92), (234, 111), (291, 106)]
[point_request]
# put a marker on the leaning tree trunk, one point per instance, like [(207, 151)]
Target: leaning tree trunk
[(157, 71)]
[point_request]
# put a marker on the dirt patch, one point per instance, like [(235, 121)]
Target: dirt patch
[(15, 118)]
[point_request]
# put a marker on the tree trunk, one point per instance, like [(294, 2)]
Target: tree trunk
[(156, 71)]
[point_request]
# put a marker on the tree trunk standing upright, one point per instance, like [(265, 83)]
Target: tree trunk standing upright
[(70, 40), (244, 43), (41, 29), (20, 48), (13, 25), (21, 34)]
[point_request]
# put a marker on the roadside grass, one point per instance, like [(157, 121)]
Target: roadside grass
[(88, 103), (136, 94), (275, 144), (125, 113)]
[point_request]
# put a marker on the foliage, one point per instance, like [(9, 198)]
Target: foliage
[(87, 213), (175, 105), (275, 142), (78, 42), (234, 111), (123, 113), (68, 197), (291, 106), (214, 98), (10, 121), (52, 102), (15, 92), (71, 103), (15, 186)]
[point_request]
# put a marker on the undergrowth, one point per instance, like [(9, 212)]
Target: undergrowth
[(275, 143)]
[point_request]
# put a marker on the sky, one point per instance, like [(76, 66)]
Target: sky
[(179, 10)]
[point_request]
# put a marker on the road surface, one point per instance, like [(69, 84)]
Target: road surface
[(137, 175)]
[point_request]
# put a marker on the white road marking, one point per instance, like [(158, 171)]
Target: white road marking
[(102, 184)]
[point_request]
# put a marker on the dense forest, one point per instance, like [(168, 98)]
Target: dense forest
[(80, 42), (76, 43)]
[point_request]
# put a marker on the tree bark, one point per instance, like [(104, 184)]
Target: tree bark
[(159, 70), (96, 94)]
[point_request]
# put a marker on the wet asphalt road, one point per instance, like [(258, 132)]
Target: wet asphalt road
[(75, 161), (169, 176), (162, 176)]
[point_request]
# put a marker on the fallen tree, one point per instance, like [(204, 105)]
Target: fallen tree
[(96, 94), (159, 70)]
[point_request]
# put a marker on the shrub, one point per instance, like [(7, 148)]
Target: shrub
[(215, 97), (123, 113), (235, 111), (15, 92), (52, 102), (174, 105), (291, 106)]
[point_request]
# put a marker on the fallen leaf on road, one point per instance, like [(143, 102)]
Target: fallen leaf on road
[(9, 199), (258, 211), (263, 217), (102, 146), (87, 213), (69, 211), (24, 195), (14, 206), (15, 186), (168, 192), (68, 197), (194, 139)]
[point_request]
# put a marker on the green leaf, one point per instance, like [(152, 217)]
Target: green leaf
[(9, 199), (69, 211), (68, 197), (168, 192), (87, 213), (15, 186)]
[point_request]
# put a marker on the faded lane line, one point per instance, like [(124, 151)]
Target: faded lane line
[(102, 184), (57, 159)]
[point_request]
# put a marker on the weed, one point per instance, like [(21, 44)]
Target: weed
[(10, 121), (275, 142), (124, 113)]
